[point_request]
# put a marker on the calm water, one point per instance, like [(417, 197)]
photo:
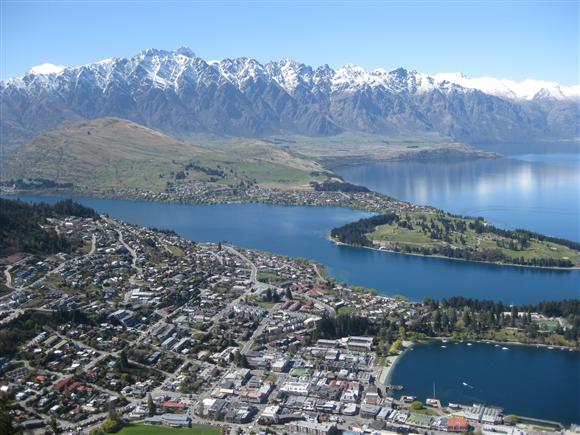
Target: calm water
[(528, 381), (302, 232), (536, 192)]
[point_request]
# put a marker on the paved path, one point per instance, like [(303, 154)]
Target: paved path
[(93, 244), (8, 277), (265, 321), (254, 269)]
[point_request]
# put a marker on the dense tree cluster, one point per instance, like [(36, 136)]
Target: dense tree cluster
[(343, 326), (21, 230), (522, 236), (36, 183), (486, 255), (30, 324), (337, 186), (355, 232), (462, 318), (477, 317), (208, 171)]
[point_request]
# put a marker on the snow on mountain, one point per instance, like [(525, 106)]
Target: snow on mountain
[(526, 90), (46, 68), (164, 68), (180, 93)]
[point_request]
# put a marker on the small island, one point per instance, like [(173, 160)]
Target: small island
[(436, 233)]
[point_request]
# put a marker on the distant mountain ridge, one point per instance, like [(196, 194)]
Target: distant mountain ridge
[(180, 94)]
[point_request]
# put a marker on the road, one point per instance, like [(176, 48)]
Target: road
[(253, 278), (8, 276), (265, 321), (137, 269), (254, 269), (93, 244)]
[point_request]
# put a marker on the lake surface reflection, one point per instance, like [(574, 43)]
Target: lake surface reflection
[(536, 192)]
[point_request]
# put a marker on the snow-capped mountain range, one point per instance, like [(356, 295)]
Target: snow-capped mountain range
[(180, 93)]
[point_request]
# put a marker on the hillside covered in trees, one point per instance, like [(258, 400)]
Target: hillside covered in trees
[(24, 228), (458, 237)]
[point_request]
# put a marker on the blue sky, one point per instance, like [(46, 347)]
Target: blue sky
[(507, 39)]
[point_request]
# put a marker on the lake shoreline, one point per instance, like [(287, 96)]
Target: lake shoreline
[(394, 361), (242, 201), (563, 269), (426, 156), (494, 342)]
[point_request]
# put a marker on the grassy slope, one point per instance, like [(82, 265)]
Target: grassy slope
[(394, 234), (111, 152), (351, 148), (269, 165)]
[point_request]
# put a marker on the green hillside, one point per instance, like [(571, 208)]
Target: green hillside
[(24, 228), (115, 153)]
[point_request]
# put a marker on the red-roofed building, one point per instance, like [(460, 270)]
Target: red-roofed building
[(85, 389), (457, 424), (72, 387), (173, 406), (60, 385), (90, 374)]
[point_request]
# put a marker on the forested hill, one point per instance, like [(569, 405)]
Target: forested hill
[(459, 237), (23, 226)]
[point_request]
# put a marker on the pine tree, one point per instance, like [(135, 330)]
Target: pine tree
[(53, 426), (112, 411), (124, 360), (150, 405)]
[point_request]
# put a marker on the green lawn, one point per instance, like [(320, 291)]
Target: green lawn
[(269, 277), (548, 325), (393, 233), (345, 310), (265, 304), (142, 429)]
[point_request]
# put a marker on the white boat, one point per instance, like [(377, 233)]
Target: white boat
[(505, 348), (444, 347), (550, 347), (497, 345), (469, 344)]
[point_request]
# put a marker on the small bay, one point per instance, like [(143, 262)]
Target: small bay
[(524, 380)]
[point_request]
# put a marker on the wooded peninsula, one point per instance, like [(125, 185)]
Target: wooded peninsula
[(438, 233)]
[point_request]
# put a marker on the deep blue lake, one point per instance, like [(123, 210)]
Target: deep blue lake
[(302, 232), (540, 193), (536, 192), (524, 380)]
